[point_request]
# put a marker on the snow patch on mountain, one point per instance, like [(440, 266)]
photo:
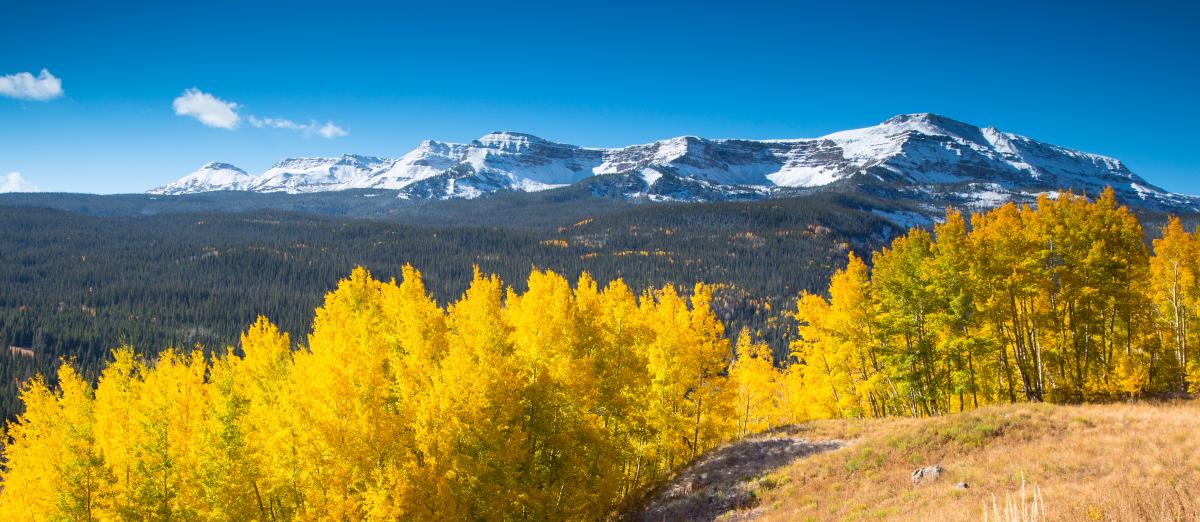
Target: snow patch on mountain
[(297, 175)]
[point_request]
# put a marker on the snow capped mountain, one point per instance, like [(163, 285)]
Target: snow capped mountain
[(211, 177), (921, 156), (296, 175), (497, 161)]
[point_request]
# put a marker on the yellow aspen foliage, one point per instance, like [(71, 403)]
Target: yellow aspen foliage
[(349, 403), (838, 355), (229, 473), (622, 380), (1174, 268), (269, 425), (955, 294), (565, 402), (31, 483), (692, 400), (1060, 301), (707, 357), (168, 417), (55, 467), (753, 372), (560, 402), (477, 446), (86, 480), (116, 424), (564, 443)]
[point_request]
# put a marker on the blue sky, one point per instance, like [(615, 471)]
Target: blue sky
[(1113, 78)]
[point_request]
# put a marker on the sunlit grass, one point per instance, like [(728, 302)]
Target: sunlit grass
[(1028, 462)]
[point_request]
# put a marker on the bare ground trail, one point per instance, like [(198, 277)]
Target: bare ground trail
[(725, 481)]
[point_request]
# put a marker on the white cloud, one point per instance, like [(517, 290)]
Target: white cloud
[(14, 182), (210, 110), (276, 123), (329, 130), (26, 86), (215, 112)]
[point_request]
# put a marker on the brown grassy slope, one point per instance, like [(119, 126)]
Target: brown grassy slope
[(1096, 462)]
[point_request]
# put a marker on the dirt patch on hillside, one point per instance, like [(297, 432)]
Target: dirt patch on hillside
[(726, 479)]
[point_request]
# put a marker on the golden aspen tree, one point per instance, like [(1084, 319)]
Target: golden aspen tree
[(167, 420), (30, 483), (564, 440), (794, 405), (662, 312), (118, 429), (693, 401), (1173, 272), (902, 286), (419, 327), (1066, 308), (821, 369), (248, 441), (1011, 272), (270, 425), (87, 481), (623, 384), (614, 342), (228, 471), (706, 358), (346, 395), (415, 333), (959, 338), (55, 468), (1122, 261), (480, 444), (841, 367), (753, 372)]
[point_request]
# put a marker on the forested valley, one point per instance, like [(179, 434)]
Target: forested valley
[(555, 396)]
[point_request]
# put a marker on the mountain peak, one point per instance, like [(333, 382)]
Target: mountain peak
[(930, 123), (510, 141), (508, 135), (919, 116), (209, 177), (216, 165)]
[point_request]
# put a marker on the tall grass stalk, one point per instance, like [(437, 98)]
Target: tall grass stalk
[(1028, 507)]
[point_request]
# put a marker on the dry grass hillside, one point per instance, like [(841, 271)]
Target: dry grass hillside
[(1020, 462)]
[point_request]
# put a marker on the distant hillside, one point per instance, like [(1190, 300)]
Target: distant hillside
[(510, 210)]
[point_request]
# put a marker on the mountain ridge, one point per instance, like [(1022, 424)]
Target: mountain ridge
[(923, 156)]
